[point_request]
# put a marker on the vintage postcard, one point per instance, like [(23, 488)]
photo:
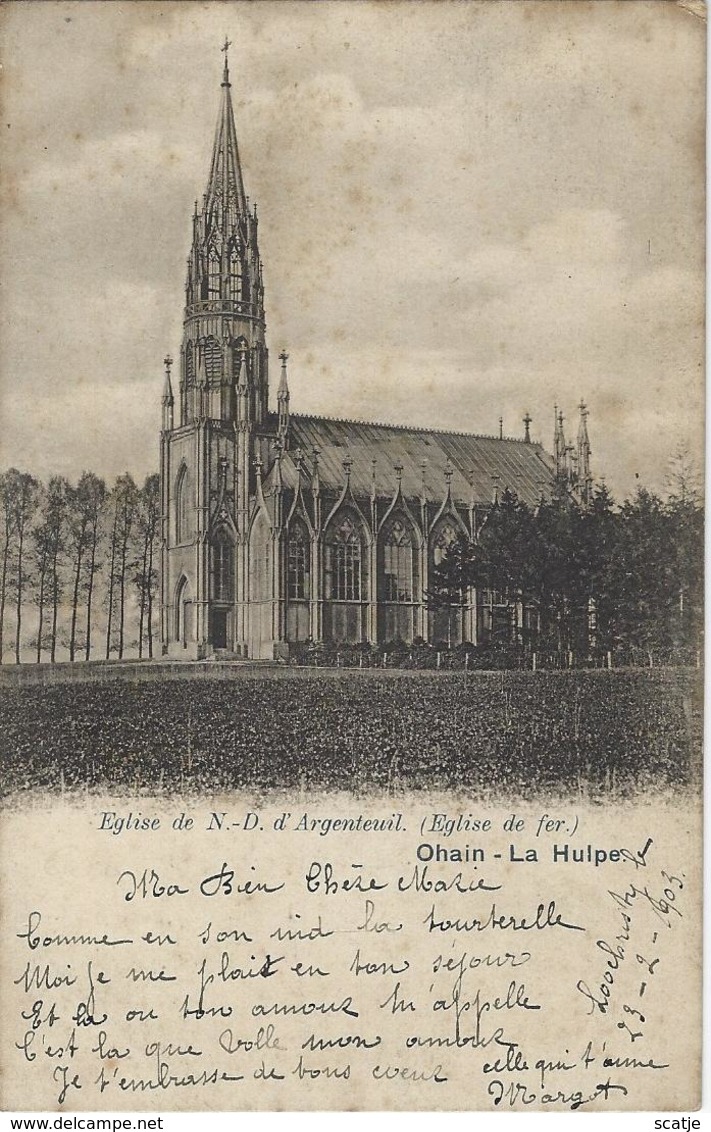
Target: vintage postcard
[(351, 581)]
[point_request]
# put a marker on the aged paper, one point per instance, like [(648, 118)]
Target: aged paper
[(358, 886), (334, 954)]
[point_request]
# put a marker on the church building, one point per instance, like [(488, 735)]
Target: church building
[(278, 527)]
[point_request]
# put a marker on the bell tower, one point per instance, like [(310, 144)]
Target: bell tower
[(208, 438)]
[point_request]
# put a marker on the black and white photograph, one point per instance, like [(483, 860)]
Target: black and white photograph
[(352, 555)]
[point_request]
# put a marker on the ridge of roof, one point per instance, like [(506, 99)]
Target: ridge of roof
[(416, 428)]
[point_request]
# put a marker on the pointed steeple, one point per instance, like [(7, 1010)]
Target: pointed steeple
[(225, 200), (224, 305), (224, 266)]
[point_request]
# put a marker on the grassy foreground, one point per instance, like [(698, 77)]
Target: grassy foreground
[(521, 733)]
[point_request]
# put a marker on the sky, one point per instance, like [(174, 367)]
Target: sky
[(467, 210)]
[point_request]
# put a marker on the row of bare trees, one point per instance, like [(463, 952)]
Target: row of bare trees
[(78, 567)]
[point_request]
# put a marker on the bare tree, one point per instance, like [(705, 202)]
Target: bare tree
[(98, 503), (9, 486), (146, 577), (85, 503), (57, 503), (41, 538), (24, 504), (125, 499)]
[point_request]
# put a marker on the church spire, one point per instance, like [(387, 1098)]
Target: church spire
[(224, 264), (224, 327), (225, 199)]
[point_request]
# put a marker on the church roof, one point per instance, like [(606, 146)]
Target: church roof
[(478, 464)]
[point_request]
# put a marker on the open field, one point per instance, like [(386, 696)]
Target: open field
[(519, 733)]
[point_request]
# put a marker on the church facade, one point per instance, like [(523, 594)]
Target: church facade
[(279, 528)]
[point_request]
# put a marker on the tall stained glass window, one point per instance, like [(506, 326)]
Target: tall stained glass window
[(397, 563), (344, 561), (298, 563)]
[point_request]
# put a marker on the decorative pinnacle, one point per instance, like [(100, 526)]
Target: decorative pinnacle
[(283, 392), (226, 73), (398, 470), (348, 467), (167, 387), (583, 409), (448, 473), (501, 428), (527, 425)]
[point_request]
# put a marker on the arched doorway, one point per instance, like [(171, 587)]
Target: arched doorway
[(222, 567)]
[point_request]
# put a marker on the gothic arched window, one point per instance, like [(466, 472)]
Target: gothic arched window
[(298, 562), (445, 536), (445, 623), (213, 360), (183, 509), (235, 275), (213, 275), (189, 364), (222, 567), (397, 563), (344, 561)]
